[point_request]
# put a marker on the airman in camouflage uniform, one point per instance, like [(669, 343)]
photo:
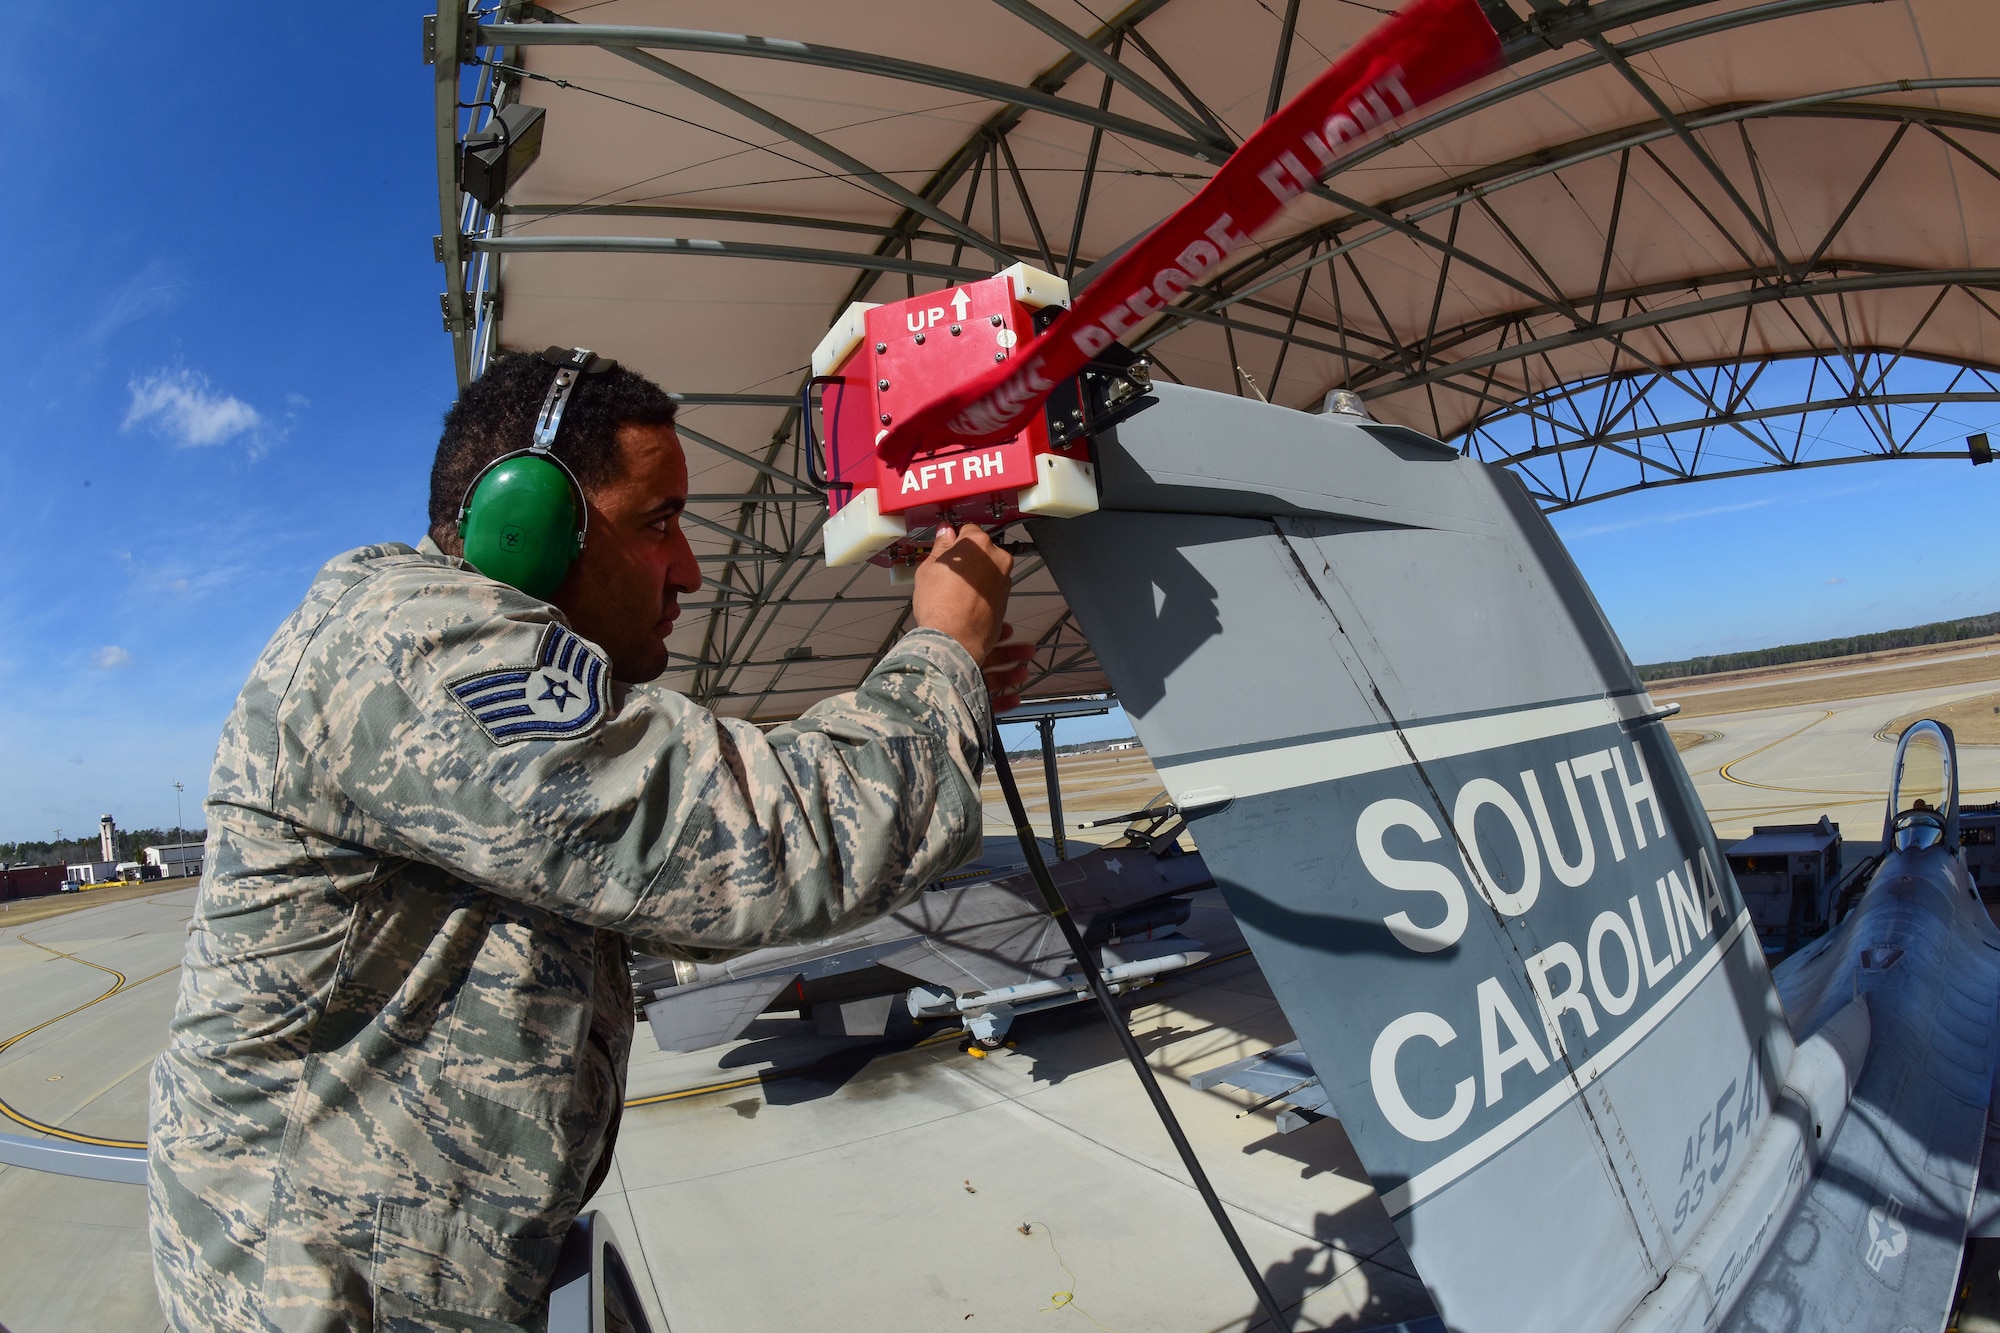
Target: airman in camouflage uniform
[(398, 1060)]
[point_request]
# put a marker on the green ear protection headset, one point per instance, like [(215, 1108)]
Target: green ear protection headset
[(522, 520)]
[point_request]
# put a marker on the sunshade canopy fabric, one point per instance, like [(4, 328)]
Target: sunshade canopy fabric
[(1702, 184)]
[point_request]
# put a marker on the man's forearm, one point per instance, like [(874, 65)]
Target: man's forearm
[(836, 818)]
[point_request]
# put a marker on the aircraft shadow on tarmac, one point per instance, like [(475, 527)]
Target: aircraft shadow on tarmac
[(803, 1065), (1312, 1267)]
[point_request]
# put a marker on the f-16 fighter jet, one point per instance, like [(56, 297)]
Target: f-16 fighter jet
[(1460, 843), (984, 953)]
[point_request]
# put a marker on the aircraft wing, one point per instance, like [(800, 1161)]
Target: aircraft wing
[(1282, 1074), (1004, 953), (984, 936), (979, 938), (690, 1018), (1000, 934)]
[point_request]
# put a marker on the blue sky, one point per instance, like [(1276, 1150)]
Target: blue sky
[(222, 362)]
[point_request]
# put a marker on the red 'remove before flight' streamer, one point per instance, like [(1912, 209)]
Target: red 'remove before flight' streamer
[(1423, 52)]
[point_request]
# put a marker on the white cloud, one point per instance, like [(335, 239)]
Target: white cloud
[(154, 290), (183, 406), (1650, 520), (1835, 579), (1812, 497), (110, 658)]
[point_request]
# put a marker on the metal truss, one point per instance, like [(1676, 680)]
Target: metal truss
[(1611, 435), (1461, 358), (1650, 419)]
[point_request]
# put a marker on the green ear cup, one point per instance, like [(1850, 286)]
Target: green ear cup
[(520, 524)]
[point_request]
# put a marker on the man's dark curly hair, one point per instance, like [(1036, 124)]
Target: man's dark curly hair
[(495, 415)]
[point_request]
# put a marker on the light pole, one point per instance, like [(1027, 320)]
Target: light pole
[(180, 857)]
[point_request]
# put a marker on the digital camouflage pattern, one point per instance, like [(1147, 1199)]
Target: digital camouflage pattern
[(399, 1051)]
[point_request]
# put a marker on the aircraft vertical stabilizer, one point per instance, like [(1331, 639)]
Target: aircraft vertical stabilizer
[(1457, 835)]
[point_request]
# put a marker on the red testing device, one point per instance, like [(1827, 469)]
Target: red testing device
[(879, 361)]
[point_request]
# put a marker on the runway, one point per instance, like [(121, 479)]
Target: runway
[(891, 1186), (1792, 764)]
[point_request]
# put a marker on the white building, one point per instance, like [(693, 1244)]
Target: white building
[(92, 872), (175, 861)]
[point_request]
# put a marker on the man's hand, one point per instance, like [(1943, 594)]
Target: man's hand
[(962, 589)]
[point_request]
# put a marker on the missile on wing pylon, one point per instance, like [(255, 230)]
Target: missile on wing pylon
[(987, 951)]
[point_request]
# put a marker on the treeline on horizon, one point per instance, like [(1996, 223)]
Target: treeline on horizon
[(75, 851), (1917, 636)]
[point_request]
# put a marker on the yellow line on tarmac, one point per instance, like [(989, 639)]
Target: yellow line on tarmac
[(118, 987), (659, 1097), (68, 1135), (1728, 776), (74, 959)]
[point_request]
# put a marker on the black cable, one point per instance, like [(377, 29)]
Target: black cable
[(1060, 911), (818, 475), (493, 124)]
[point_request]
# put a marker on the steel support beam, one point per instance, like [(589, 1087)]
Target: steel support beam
[(1751, 296), (676, 245), (1272, 267), (695, 215), (812, 143), (1658, 447), (615, 37), (450, 23), (1124, 75), (1590, 440), (734, 399), (802, 488), (1558, 505), (759, 498)]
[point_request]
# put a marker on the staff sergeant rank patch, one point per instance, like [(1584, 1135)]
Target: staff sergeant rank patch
[(565, 694)]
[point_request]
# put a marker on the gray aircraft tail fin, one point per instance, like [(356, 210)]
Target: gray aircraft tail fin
[(1456, 832)]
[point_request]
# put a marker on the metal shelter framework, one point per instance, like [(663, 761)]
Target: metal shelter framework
[(1671, 241)]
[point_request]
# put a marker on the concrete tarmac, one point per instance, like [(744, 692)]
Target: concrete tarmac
[(86, 997), (792, 1181), (1792, 764), (931, 1188)]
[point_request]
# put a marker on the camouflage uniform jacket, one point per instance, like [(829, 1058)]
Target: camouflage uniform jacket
[(399, 1050)]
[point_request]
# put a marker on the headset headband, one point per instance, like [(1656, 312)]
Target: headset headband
[(570, 362)]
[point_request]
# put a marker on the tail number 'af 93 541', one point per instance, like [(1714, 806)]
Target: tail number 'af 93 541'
[(1706, 1157), (1577, 985)]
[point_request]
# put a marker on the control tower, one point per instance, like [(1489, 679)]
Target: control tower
[(107, 839)]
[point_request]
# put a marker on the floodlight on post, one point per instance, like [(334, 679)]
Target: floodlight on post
[(1980, 448), (495, 157), (180, 831)]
